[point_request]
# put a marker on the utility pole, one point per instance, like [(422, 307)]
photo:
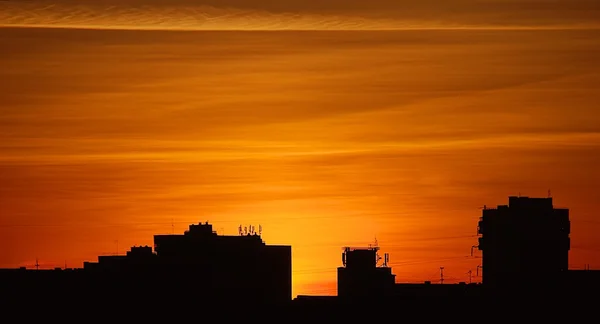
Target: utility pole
[(470, 273), (442, 275)]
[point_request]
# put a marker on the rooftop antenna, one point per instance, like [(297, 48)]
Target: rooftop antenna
[(470, 272), (441, 275), (472, 247), (478, 267), (37, 264), (386, 259), (549, 194)]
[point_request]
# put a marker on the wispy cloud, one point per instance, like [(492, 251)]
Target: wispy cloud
[(330, 137), (296, 15)]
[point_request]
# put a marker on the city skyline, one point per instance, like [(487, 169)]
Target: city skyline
[(382, 260), (304, 117)]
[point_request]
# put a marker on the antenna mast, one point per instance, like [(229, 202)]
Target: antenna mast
[(441, 275), (37, 264), (470, 272), (386, 259)]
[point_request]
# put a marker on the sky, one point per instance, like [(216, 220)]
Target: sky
[(325, 138), (302, 14)]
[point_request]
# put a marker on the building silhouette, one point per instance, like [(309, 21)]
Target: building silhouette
[(197, 266), (525, 249), (360, 276), (525, 245), (363, 280)]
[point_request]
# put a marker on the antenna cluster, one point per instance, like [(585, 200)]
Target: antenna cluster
[(249, 230), (386, 259)]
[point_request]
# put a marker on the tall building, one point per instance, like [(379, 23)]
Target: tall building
[(525, 245), (230, 266)]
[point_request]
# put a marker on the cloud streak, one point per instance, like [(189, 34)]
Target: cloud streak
[(331, 15), (326, 138)]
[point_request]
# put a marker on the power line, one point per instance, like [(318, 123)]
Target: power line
[(465, 258)]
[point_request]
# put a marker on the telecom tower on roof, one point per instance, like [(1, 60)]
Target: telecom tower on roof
[(361, 276)]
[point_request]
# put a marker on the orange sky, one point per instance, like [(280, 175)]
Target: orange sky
[(324, 138)]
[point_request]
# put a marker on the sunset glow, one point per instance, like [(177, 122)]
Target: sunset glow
[(325, 138)]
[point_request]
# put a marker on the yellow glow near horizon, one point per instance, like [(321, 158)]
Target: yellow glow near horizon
[(326, 139)]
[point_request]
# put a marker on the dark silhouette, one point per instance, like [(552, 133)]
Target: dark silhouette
[(361, 277), (196, 267), (525, 248)]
